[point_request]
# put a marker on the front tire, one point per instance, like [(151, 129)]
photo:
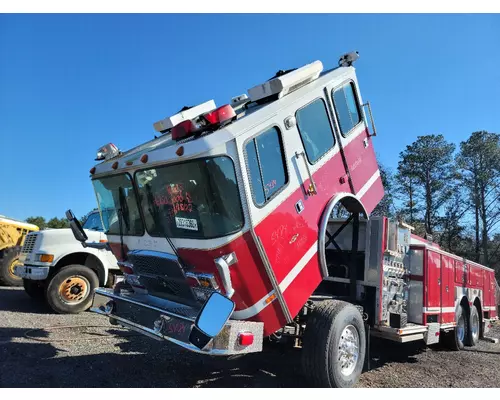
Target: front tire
[(70, 290), (334, 345), (8, 259)]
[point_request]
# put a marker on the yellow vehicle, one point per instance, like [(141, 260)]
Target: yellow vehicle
[(12, 235)]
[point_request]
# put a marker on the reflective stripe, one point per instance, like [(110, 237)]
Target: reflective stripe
[(261, 304), (438, 309), (368, 184)]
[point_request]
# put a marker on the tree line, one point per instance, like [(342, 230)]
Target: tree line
[(54, 223), (449, 193)]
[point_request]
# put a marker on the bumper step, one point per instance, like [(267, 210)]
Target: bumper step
[(165, 320)]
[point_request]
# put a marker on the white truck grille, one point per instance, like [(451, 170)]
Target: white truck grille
[(29, 243)]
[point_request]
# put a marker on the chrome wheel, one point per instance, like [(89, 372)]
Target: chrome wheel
[(348, 350), (475, 326), (461, 328)]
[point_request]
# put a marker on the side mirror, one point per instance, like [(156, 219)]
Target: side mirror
[(76, 227), (211, 319)]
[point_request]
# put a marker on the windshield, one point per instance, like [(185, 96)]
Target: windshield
[(195, 199), (93, 222), (108, 198)]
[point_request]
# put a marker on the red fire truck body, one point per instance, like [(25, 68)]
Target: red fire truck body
[(240, 201), (447, 281)]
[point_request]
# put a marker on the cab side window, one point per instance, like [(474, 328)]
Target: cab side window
[(266, 165), (315, 130), (346, 108)]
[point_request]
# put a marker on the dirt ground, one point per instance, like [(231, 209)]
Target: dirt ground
[(41, 349)]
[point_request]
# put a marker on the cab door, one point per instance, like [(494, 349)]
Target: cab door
[(361, 174)]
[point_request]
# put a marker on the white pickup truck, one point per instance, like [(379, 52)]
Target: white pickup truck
[(54, 266)]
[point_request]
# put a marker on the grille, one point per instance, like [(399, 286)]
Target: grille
[(161, 274), (29, 243)]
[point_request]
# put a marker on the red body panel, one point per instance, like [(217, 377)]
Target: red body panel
[(476, 277), (432, 267), (461, 273), (360, 160), (447, 289), (286, 237)]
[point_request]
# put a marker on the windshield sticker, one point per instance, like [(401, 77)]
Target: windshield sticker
[(186, 223)]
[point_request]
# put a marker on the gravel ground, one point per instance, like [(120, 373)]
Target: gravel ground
[(38, 349)]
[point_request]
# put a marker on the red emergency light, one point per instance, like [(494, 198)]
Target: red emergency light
[(183, 130), (205, 122), (220, 115)]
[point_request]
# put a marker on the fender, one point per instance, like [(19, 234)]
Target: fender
[(353, 204), (104, 264)]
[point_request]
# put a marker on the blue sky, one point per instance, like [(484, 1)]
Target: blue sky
[(71, 83)]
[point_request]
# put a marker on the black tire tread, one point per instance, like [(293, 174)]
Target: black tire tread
[(52, 288), (6, 257), (469, 340), (315, 351), (33, 289)]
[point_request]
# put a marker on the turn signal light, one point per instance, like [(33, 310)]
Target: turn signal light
[(245, 338), (46, 258)]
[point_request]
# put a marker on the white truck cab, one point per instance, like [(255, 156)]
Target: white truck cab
[(55, 267)]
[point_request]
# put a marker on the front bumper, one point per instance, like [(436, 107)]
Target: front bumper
[(166, 320), (34, 273)]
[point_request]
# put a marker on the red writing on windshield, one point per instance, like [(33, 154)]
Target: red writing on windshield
[(175, 197)]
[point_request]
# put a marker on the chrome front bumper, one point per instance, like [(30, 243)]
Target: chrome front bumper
[(165, 320), (31, 272)]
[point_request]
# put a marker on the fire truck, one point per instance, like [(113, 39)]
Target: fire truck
[(251, 221)]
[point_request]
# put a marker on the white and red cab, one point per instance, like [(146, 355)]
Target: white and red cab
[(235, 204)]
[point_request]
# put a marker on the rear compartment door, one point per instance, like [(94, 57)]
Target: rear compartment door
[(432, 306), (447, 289)]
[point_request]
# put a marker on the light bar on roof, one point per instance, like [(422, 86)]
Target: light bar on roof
[(107, 152), (287, 83), (168, 123)]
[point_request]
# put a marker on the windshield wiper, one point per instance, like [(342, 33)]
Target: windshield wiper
[(121, 217)]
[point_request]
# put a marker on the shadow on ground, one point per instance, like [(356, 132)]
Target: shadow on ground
[(132, 360), (15, 300)]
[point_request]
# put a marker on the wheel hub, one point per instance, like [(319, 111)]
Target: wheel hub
[(461, 328), (74, 289), (12, 268), (348, 350), (475, 326)]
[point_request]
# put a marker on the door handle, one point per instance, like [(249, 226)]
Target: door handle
[(367, 104), (311, 190)]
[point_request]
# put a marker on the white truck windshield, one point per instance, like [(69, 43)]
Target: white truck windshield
[(194, 199)]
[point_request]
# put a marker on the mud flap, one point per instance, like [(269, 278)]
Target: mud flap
[(432, 334)]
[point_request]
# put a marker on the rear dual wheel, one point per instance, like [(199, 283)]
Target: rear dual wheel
[(467, 331)]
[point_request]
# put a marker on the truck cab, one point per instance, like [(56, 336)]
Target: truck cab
[(54, 267), (236, 201)]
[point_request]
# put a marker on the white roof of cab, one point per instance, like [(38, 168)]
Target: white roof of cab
[(163, 148)]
